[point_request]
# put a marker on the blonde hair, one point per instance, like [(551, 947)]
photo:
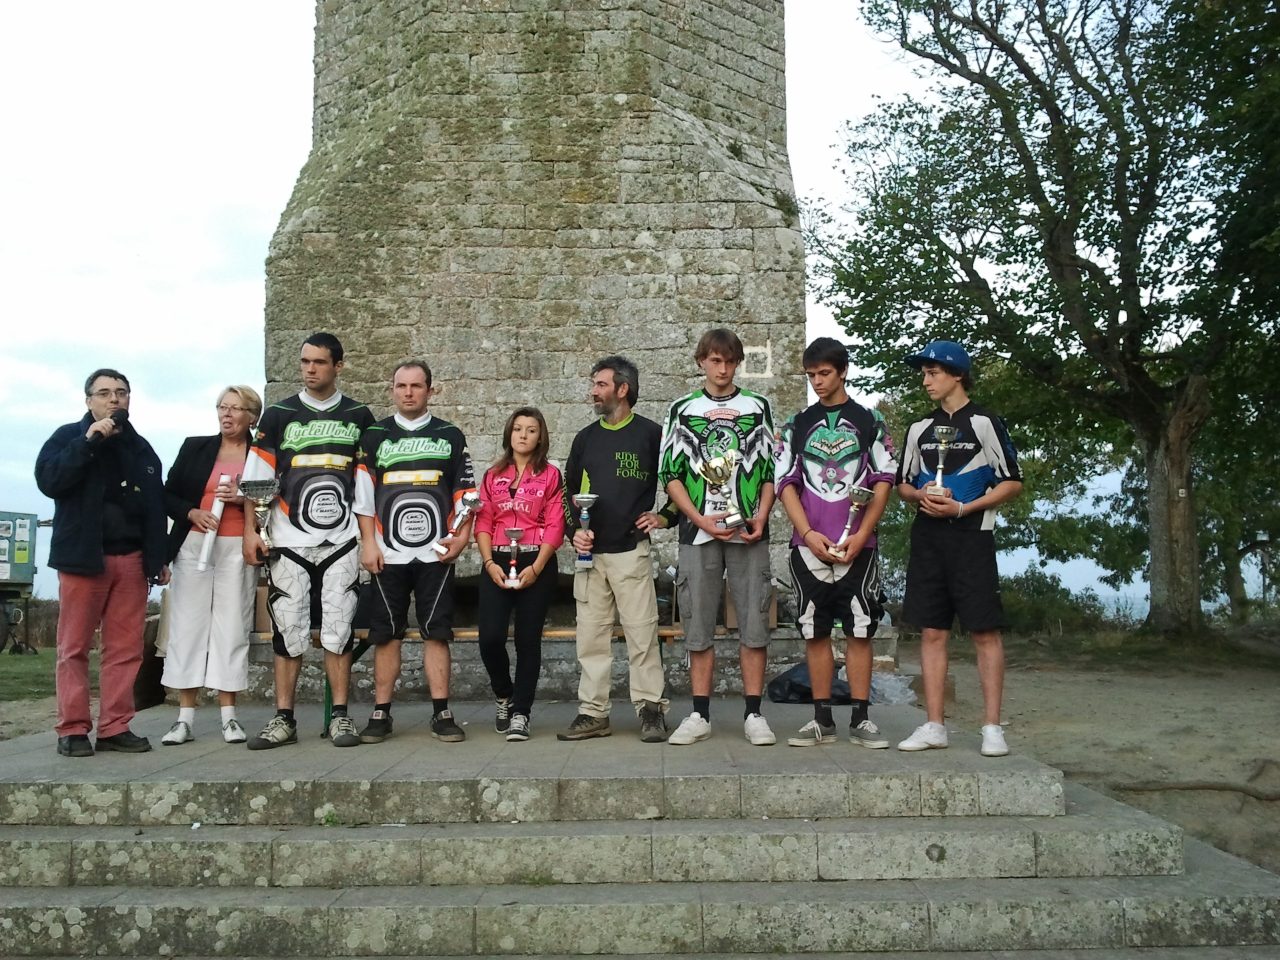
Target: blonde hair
[(248, 397)]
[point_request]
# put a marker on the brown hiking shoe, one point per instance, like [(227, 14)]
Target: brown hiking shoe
[(653, 723), (584, 727)]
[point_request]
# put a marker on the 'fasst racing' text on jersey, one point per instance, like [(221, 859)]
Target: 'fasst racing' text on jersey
[(701, 427), (310, 447), (980, 457), (409, 478), (827, 451)]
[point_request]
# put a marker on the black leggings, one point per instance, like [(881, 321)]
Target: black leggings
[(530, 608)]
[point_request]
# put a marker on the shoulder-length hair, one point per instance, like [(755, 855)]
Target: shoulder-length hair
[(538, 461)]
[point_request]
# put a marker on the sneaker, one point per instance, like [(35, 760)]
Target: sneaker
[(584, 727), (278, 732), (75, 745), (502, 715), (125, 742), (653, 723), (232, 732), (178, 733), (756, 729), (342, 732), (378, 728), (869, 735), (692, 729), (928, 736), (813, 734), (444, 728), (518, 729), (993, 744)]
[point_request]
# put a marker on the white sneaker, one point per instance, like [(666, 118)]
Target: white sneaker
[(928, 736), (756, 729), (232, 732), (993, 744), (692, 729), (180, 733)]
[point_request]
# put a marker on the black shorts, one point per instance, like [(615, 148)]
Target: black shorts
[(952, 573), (431, 586), (849, 593)]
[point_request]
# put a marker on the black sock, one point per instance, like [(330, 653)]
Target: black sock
[(753, 706), (702, 707), (287, 713), (338, 710), (822, 712), (439, 704), (384, 707), (859, 711)]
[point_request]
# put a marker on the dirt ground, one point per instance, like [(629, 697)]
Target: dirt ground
[(1188, 738)]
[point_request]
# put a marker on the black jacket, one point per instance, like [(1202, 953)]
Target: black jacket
[(69, 470), (184, 487)]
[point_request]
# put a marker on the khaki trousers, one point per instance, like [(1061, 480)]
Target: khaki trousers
[(621, 584)]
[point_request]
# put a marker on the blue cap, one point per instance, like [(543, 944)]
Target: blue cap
[(944, 352)]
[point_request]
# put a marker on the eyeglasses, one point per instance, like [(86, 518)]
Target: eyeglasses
[(225, 408), (119, 394)]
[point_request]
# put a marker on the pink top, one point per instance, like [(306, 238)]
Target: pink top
[(232, 522), (537, 506)]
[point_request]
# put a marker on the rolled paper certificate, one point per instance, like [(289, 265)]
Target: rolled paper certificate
[(211, 536)]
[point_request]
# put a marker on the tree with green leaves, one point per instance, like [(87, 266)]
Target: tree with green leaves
[(1049, 205)]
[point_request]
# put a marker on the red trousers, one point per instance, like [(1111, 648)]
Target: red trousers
[(116, 599)]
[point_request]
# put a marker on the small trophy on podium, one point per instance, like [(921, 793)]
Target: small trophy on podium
[(584, 502), (859, 497), (945, 437), (719, 471), (468, 504), (260, 493), (515, 535)]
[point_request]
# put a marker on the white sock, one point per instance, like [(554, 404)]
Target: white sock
[(187, 715), (228, 713)]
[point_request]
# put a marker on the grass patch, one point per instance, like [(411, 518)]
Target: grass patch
[(31, 677)]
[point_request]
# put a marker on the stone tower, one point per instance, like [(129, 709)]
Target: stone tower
[(514, 188)]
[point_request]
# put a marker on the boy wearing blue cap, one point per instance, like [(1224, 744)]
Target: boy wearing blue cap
[(952, 567)]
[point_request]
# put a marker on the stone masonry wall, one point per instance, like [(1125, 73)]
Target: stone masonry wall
[(512, 189)]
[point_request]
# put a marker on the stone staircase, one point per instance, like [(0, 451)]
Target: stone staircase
[(610, 846)]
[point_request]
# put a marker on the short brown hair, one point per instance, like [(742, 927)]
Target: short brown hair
[(722, 341)]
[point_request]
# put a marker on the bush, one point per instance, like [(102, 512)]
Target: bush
[(1037, 602)]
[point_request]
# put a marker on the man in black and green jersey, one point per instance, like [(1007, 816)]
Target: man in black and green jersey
[(716, 420), (308, 442), (616, 458), (413, 468)]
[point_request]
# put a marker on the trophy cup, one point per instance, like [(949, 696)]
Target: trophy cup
[(468, 504), (515, 535), (584, 502), (718, 471), (945, 437), (260, 493), (859, 497)]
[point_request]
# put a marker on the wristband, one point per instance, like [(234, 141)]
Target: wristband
[(959, 509), (806, 533)]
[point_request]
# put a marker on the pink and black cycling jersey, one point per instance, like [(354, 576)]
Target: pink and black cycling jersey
[(535, 505)]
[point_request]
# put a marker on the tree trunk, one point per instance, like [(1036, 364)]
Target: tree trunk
[(1174, 574), (1233, 580)]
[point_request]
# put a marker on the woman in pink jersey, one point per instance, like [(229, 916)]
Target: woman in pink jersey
[(522, 491), (210, 610)]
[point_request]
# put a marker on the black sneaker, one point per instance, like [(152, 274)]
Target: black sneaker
[(125, 742), (444, 727), (518, 731), (378, 728), (342, 732), (502, 716), (75, 745), (584, 727), (278, 732), (653, 724)]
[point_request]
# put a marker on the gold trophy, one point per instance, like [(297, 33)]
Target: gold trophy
[(859, 497), (718, 472), (260, 493)]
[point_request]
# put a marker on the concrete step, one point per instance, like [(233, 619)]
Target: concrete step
[(1220, 900), (413, 778), (1099, 837)]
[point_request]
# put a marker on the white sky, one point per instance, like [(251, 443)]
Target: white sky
[(150, 147)]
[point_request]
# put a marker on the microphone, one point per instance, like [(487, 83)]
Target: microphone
[(119, 417)]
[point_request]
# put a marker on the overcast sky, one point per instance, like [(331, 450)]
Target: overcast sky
[(150, 148)]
